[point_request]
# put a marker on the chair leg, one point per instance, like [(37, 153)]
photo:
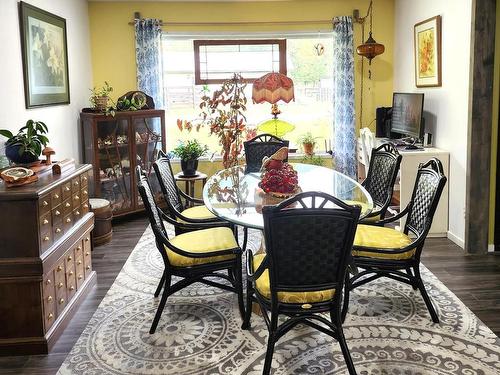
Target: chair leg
[(345, 304), (245, 238), (158, 289), (161, 306), (248, 311), (408, 271), (345, 352), (269, 354), (425, 296), (238, 284)]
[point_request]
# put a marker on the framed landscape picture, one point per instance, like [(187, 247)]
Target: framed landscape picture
[(427, 35), (45, 57)]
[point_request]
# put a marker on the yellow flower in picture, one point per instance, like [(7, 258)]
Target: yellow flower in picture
[(426, 54)]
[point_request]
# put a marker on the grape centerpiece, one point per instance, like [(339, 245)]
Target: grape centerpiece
[(278, 177)]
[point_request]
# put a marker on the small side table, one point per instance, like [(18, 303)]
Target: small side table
[(190, 181)]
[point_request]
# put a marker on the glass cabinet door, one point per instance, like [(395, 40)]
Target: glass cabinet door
[(115, 173), (148, 142)]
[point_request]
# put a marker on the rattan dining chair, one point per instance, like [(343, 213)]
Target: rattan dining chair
[(260, 146), (194, 255), (385, 161), (177, 209), (308, 246), (382, 251)]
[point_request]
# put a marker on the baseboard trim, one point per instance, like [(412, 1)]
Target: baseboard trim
[(460, 242)]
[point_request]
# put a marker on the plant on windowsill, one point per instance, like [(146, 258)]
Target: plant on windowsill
[(99, 98), (189, 152), (26, 146), (308, 142), (312, 159), (223, 113)]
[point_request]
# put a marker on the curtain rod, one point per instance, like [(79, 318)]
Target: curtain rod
[(245, 23)]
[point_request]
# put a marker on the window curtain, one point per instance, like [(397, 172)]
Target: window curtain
[(344, 150), (148, 58)]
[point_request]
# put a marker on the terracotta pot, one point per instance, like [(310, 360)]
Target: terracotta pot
[(308, 148), (101, 103), (189, 167)]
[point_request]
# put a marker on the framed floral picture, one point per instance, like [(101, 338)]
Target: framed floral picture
[(45, 57), (427, 35)]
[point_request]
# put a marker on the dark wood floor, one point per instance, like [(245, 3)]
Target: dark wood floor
[(474, 279)]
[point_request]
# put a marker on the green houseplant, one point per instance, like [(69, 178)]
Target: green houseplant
[(26, 146), (100, 97), (189, 152), (308, 142)]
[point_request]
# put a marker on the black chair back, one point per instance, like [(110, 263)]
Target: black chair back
[(382, 173), (308, 242), (260, 146), (166, 179), (428, 187)]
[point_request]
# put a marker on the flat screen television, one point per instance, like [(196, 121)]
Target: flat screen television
[(407, 120)]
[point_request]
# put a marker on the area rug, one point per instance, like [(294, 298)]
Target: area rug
[(388, 331)]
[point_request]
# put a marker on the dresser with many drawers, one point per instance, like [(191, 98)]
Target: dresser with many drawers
[(45, 258)]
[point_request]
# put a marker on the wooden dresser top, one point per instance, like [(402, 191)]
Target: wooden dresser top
[(45, 183)]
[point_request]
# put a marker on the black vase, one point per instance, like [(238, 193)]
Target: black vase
[(12, 153), (189, 167)]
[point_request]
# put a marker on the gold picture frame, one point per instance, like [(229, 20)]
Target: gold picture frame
[(427, 47)]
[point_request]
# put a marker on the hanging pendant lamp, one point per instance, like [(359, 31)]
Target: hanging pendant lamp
[(370, 48)]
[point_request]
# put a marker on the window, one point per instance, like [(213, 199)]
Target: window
[(312, 75), (216, 60)]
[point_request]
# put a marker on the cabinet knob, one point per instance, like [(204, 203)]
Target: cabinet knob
[(59, 268), (45, 221), (68, 220), (58, 230), (76, 183), (87, 253), (49, 298), (79, 262), (77, 197), (46, 238), (56, 196), (50, 316), (78, 248), (48, 282), (84, 192), (70, 258), (84, 178), (57, 213), (67, 204), (88, 267), (86, 205), (60, 285), (71, 273), (77, 213), (61, 301), (45, 203), (67, 188), (86, 239), (71, 287), (80, 277)]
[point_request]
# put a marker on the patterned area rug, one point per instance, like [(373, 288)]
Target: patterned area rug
[(388, 331)]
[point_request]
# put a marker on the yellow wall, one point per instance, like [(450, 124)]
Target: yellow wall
[(112, 39), (494, 131)]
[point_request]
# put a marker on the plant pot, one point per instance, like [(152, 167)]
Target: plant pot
[(308, 148), (101, 103), (189, 167), (12, 153)]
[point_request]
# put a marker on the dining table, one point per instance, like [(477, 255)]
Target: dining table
[(235, 196)]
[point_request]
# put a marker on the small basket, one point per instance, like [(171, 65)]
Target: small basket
[(101, 103)]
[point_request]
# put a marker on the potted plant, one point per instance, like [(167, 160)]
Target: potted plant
[(26, 146), (308, 143), (100, 97), (189, 152), (312, 159)]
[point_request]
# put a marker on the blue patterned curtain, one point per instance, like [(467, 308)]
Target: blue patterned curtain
[(344, 149), (148, 58)]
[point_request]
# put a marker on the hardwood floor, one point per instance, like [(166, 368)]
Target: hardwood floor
[(474, 279)]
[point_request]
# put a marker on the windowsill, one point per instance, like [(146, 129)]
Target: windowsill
[(291, 156)]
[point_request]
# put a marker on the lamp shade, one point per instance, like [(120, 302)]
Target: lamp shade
[(276, 127), (272, 88), (370, 48)]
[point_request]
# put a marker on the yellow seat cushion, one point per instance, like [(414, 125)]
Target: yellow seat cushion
[(364, 208), (381, 238), (197, 212), (263, 287), (202, 241)]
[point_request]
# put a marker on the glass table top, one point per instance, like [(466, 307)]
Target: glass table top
[(236, 197)]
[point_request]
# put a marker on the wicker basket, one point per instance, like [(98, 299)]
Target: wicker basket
[(101, 103)]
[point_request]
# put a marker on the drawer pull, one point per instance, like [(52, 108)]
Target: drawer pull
[(87, 253), (67, 204), (46, 238), (79, 262), (50, 316), (60, 285), (85, 192), (68, 220), (84, 178), (61, 301), (71, 287), (77, 197), (59, 268), (48, 282), (45, 203), (78, 248), (49, 298), (58, 230), (70, 258), (80, 277), (57, 213), (77, 213), (87, 268), (45, 221), (67, 188), (85, 205), (71, 273), (76, 183), (56, 196), (86, 239)]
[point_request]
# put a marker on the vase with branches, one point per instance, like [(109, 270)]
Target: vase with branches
[(223, 114)]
